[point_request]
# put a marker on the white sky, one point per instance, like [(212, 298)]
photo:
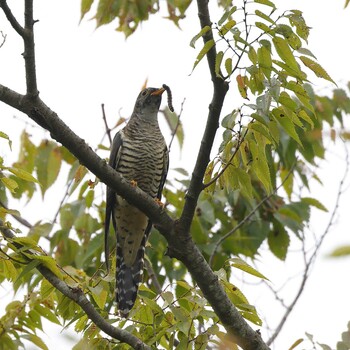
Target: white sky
[(80, 68)]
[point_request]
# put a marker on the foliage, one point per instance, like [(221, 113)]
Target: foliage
[(131, 13), (270, 142)]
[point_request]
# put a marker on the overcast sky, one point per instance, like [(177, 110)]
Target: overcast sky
[(80, 67)]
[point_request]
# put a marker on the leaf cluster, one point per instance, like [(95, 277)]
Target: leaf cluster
[(271, 141)]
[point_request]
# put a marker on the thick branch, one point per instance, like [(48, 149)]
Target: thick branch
[(29, 49), (77, 295), (220, 90), (240, 332)]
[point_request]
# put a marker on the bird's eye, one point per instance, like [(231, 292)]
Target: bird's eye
[(144, 92)]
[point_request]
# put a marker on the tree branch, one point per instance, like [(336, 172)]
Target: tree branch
[(220, 90), (78, 296), (29, 50), (11, 18)]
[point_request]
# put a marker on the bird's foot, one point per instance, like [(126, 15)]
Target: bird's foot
[(159, 202), (133, 183)]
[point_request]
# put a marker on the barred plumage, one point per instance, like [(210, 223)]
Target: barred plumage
[(139, 154)]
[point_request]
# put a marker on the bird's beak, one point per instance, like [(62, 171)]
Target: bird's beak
[(158, 92)]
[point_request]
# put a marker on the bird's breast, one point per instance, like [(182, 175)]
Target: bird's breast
[(143, 161)]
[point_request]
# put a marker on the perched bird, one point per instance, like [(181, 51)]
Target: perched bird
[(140, 155)]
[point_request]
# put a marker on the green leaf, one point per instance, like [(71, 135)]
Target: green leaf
[(100, 295), (229, 121), (242, 265), (245, 183), (47, 313), (85, 7), (296, 343), (10, 184), (226, 27), (287, 70), (315, 203), (10, 272), (226, 15), (253, 55), (288, 181), (296, 19), (30, 266), (266, 2), (46, 289), (316, 68), (49, 263), (259, 164), (341, 251), (259, 118), (35, 340), (6, 137), (218, 61), (22, 174), (292, 39), (305, 51), (200, 34), (228, 65), (265, 28), (278, 240), (284, 51), (287, 101), (264, 16), (264, 60), (281, 117), (48, 164), (301, 93), (263, 130), (26, 242), (207, 46)]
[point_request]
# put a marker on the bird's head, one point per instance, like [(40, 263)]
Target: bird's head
[(148, 102)]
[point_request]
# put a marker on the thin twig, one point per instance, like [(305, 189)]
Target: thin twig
[(243, 221), (310, 261), (177, 125), (108, 130), (62, 201), (3, 38)]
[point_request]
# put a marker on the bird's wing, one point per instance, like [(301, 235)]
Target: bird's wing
[(111, 197), (161, 185)]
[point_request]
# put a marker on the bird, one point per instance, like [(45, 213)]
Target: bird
[(138, 153)]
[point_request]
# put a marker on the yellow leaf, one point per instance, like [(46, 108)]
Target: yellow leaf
[(9, 183), (22, 174), (316, 68)]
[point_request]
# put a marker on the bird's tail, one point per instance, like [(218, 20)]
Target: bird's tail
[(128, 279)]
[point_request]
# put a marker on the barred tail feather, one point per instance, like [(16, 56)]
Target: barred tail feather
[(128, 279)]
